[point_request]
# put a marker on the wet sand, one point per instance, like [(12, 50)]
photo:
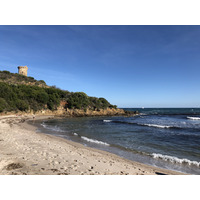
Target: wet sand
[(23, 151)]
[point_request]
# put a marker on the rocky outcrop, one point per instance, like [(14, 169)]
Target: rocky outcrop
[(80, 112), (62, 112), (101, 112)]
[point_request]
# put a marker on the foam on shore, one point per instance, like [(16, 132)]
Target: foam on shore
[(94, 141), (174, 159), (52, 128)]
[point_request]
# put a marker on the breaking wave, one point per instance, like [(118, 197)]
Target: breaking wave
[(52, 128), (194, 118), (138, 124), (175, 159), (94, 141), (106, 120), (157, 126)]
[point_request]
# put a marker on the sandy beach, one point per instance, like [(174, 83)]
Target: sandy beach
[(24, 151)]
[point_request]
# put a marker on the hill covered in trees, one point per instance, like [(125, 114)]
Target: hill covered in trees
[(21, 93)]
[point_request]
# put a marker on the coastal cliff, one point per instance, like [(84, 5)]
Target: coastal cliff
[(25, 95), (62, 112), (81, 113)]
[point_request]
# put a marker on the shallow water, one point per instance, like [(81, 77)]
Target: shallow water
[(167, 138)]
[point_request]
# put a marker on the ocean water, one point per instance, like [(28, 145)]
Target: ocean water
[(162, 137)]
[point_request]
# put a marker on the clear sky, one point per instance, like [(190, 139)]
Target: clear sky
[(131, 66)]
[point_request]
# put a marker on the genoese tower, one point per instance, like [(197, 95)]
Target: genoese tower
[(22, 70)]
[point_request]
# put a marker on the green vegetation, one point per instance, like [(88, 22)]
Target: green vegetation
[(11, 78), (100, 103), (21, 97), (25, 97), (80, 100)]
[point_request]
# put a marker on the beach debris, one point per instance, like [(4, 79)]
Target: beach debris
[(13, 166), (159, 173), (34, 164), (63, 173), (54, 170), (22, 121), (14, 173)]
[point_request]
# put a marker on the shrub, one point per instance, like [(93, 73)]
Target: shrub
[(23, 97), (80, 100), (43, 82), (22, 105), (42, 97), (3, 105), (6, 72), (104, 103), (77, 100)]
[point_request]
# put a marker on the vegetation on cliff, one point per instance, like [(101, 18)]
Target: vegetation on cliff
[(21, 97), (11, 78), (80, 100)]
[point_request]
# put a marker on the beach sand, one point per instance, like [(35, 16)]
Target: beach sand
[(23, 151)]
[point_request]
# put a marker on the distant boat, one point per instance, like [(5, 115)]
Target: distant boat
[(142, 107)]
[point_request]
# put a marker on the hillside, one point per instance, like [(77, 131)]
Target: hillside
[(16, 79), (25, 94)]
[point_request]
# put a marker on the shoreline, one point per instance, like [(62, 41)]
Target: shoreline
[(25, 151)]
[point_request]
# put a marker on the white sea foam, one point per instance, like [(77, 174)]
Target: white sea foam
[(75, 134), (194, 118), (44, 125), (106, 120), (175, 159), (94, 141), (157, 126), (53, 128)]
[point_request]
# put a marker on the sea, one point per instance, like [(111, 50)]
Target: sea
[(168, 138)]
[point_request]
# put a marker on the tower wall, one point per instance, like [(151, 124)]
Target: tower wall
[(22, 70)]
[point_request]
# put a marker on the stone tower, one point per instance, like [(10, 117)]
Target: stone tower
[(22, 70)]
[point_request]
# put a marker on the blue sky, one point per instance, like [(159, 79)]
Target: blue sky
[(131, 66)]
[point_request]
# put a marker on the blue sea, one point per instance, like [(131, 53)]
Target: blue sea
[(164, 137)]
